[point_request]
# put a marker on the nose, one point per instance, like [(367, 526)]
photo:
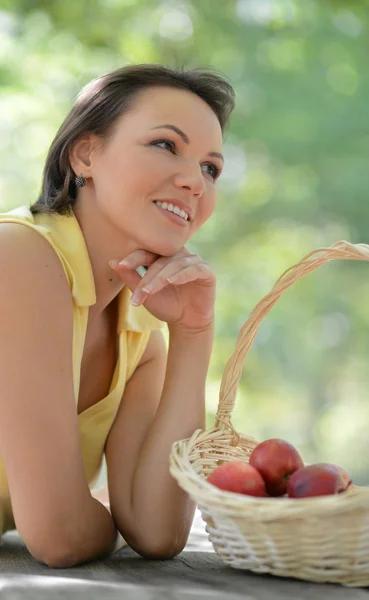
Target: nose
[(191, 178)]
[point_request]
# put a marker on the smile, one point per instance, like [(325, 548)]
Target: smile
[(173, 209), (172, 216)]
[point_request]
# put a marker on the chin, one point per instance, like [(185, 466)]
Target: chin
[(165, 248)]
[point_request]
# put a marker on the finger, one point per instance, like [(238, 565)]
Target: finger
[(130, 268), (190, 273), (196, 272), (156, 267), (134, 260), (129, 277), (161, 271)]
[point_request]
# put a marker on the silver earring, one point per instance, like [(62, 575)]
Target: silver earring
[(80, 181)]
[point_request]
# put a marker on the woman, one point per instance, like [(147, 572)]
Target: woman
[(129, 178)]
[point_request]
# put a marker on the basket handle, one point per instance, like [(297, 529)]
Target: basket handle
[(246, 336)]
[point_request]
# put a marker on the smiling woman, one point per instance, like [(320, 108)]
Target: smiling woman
[(129, 178)]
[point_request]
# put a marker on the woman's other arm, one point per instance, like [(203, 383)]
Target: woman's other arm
[(60, 522), (164, 401)]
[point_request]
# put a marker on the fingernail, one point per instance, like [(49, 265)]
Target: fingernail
[(113, 263), (124, 262), (136, 298)]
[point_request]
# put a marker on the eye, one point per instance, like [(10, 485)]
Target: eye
[(169, 145), (214, 172)]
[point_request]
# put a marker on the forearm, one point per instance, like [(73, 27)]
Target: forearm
[(161, 510)]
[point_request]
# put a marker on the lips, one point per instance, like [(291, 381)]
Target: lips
[(181, 205), (171, 216)]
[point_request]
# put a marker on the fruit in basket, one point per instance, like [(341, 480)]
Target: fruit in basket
[(238, 476), (346, 481), (320, 479), (276, 460)]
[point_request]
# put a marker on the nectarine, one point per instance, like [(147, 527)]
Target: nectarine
[(240, 477), (346, 481), (321, 479), (276, 460)]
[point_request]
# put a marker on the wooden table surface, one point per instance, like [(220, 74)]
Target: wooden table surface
[(197, 573)]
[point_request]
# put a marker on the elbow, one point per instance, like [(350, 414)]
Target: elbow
[(158, 551), (55, 551), (58, 556), (155, 553), (150, 544), (60, 560)]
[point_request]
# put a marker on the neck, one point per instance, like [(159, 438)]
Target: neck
[(104, 243)]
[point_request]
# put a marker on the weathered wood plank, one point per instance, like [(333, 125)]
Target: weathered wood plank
[(196, 573)]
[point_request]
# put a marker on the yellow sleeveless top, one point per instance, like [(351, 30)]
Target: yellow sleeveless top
[(134, 327)]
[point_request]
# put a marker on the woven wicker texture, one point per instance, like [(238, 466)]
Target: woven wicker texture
[(322, 539)]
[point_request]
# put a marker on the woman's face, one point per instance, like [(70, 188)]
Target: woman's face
[(165, 149)]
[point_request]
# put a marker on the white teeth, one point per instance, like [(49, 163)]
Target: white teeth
[(174, 209)]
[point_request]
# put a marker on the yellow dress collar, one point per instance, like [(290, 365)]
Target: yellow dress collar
[(66, 234)]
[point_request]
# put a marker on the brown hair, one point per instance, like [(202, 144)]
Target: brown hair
[(99, 105)]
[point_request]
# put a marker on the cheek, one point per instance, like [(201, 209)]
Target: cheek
[(208, 203), (123, 174), (206, 207), (114, 175), (134, 169), (107, 170)]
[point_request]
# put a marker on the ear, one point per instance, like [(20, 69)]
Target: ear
[(80, 154)]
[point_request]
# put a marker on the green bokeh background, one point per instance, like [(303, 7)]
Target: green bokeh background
[(296, 179)]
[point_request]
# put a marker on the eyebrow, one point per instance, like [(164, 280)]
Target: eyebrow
[(185, 138)]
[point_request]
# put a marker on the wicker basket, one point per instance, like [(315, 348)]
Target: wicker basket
[(322, 539)]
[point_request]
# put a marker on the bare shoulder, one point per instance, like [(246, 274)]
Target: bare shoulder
[(34, 285), (17, 241), (34, 288)]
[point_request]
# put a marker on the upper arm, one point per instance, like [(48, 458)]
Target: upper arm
[(136, 413), (39, 440)]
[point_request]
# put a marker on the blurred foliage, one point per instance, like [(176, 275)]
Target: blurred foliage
[(296, 179)]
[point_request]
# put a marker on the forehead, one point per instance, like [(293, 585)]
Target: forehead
[(186, 110)]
